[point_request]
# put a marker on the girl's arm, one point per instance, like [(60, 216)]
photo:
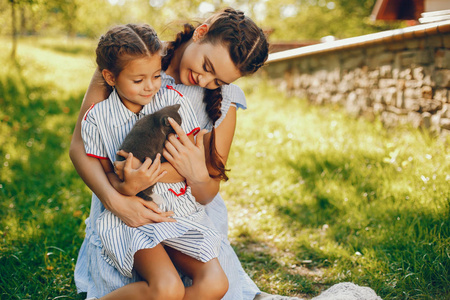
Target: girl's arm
[(189, 159), (134, 211)]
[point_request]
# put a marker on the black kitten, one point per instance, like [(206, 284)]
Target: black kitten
[(147, 138)]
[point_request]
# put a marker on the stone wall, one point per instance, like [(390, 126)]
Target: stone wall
[(402, 77)]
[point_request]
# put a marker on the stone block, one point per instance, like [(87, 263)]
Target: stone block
[(413, 84), (412, 105), (396, 46), (426, 92), (444, 123), (435, 123), (425, 57), (430, 106), (375, 50), (396, 110), (445, 111), (418, 73), (412, 93), (386, 71), (375, 74), (400, 99), (415, 119), (413, 44), (446, 40), (390, 96), (406, 74), (378, 108), (434, 41), (426, 120), (442, 78), (385, 83), (351, 63), (441, 95), (442, 58), (385, 58), (408, 58)]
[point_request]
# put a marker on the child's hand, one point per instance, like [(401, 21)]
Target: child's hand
[(137, 177)]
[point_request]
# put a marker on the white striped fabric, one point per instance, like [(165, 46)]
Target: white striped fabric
[(97, 277), (102, 136), (230, 93)]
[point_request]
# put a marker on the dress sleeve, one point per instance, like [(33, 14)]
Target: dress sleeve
[(91, 137), (231, 94)]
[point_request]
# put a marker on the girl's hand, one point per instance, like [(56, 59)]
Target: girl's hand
[(137, 176), (135, 211), (185, 156)]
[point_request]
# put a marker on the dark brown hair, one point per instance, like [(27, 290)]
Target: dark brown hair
[(123, 43), (248, 48)]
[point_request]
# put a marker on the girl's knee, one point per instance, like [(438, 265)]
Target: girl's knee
[(214, 283), (170, 288)]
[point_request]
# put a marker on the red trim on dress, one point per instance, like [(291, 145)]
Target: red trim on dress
[(96, 156), (182, 190), (85, 115), (194, 131), (171, 88)]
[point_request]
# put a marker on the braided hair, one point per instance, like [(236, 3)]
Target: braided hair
[(248, 48), (123, 43)]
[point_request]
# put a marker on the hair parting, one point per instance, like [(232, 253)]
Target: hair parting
[(123, 43)]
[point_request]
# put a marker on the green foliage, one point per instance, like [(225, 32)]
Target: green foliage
[(289, 19)]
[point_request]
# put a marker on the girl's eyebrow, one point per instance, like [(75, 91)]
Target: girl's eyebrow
[(208, 62)]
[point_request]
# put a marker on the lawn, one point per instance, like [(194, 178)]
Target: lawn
[(315, 197)]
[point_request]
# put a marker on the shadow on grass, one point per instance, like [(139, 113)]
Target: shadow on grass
[(44, 200), (411, 245)]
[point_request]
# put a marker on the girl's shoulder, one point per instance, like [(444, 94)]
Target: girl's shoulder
[(234, 94)]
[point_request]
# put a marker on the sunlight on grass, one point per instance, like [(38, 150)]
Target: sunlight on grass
[(340, 194), (315, 197)]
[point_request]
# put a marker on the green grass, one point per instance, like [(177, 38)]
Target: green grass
[(315, 197), (323, 198)]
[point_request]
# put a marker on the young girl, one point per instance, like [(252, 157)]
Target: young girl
[(129, 58), (192, 67)]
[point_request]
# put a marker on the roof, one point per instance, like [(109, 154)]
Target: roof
[(397, 10), (389, 36)]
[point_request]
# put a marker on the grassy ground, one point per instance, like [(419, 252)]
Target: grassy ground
[(315, 197)]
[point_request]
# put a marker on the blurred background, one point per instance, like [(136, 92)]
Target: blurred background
[(283, 20)]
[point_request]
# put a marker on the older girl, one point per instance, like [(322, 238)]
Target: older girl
[(201, 63)]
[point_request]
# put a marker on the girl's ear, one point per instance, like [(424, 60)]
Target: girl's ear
[(109, 77), (200, 32)]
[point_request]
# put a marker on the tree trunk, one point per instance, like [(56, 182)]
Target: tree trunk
[(14, 29)]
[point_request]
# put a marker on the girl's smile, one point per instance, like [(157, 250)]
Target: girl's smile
[(207, 65), (191, 79)]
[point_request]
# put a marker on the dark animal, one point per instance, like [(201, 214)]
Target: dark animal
[(147, 138)]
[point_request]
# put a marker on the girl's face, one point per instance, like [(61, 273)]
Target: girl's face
[(139, 81), (207, 65)]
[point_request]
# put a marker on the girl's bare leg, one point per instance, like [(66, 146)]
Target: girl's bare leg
[(161, 279), (209, 281)]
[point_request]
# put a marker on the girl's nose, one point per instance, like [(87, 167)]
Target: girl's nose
[(205, 79), (148, 85)]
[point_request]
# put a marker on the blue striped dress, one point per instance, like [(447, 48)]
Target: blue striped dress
[(97, 277), (103, 129)]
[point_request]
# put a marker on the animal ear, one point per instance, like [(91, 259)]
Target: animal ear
[(177, 106), (165, 121)]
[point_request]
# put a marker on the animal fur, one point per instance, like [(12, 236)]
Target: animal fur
[(147, 138)]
